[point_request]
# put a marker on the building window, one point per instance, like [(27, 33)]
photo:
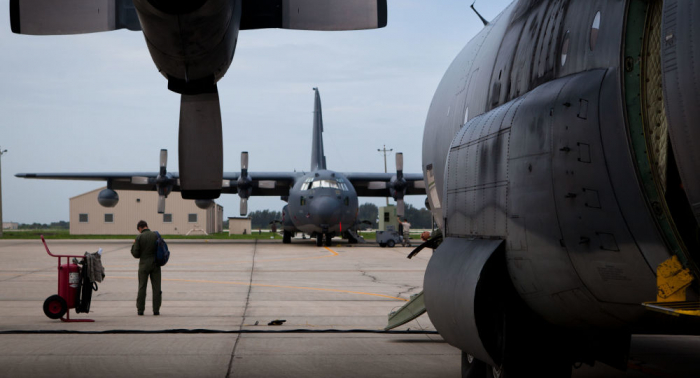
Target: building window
[(192, 218), (168, 218), (83, 218), (138, 200), (109, 218)]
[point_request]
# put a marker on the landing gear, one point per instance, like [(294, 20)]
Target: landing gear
[(473, 368), (286, 237), (319, 240), (517, 357), (329, 239)]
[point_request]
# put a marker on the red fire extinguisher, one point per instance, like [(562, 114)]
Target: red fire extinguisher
[(60, 304)]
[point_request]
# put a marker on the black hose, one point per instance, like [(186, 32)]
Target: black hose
[(208, 331)]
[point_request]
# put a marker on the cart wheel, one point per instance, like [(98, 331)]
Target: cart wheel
[(390, 244), (55, 307)]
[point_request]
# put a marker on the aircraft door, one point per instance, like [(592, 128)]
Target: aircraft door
[(594, 232)]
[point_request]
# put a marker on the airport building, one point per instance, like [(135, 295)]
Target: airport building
[(239, 226), (10, 225), (88, 217)]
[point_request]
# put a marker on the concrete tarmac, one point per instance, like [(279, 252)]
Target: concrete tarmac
[(223, 287), (243, 285)]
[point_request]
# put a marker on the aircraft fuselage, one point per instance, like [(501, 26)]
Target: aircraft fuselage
[(552, 144), (322, 202)]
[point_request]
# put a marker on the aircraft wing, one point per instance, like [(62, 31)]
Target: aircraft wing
[(118, 180), (263, 183), (378, 184)]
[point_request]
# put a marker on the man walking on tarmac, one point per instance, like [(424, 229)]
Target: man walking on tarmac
[(405, 230), (144, 249)]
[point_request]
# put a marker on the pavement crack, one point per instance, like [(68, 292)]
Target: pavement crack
[(407, 291), (245, 310), (373, 278)]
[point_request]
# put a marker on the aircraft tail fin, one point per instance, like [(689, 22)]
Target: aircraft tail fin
[(318, 157)]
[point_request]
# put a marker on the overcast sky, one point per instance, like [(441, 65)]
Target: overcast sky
[(96, 103)]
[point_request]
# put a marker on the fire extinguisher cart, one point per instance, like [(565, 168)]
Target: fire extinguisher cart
[(58, 305)]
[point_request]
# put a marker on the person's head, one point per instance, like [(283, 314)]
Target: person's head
[(405, 219), (141, 225)]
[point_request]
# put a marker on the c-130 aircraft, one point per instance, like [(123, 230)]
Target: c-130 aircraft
[(560, 154), (321, 203), (192, 44)]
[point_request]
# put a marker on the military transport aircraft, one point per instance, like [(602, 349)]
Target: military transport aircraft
[(192, 43), (321, 202), (560, 154)]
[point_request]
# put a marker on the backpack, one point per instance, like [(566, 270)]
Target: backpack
[(162, 252)]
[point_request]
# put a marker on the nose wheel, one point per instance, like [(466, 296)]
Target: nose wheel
[(320, 237)]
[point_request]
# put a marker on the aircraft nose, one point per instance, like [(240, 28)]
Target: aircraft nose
[(325, 208)]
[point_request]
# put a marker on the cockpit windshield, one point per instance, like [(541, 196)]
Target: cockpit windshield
[(311, 183)]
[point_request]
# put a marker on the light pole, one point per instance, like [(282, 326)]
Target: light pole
[(384, 151), (1, 225)]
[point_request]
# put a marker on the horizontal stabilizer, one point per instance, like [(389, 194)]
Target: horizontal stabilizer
[(314, 14), (411, 310), (59, 17)]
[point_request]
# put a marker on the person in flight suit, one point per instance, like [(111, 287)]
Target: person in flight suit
[(144, 249)]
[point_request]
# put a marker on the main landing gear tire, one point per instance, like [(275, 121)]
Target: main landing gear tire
[(55, 307), (473, 368), (519, 359), (287, 237), (319, 240)]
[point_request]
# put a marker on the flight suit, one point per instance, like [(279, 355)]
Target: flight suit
[(144, 249)]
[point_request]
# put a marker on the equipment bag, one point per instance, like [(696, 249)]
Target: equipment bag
[(162, 252), (85, 290)]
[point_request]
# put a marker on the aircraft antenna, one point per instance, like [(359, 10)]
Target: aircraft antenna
[(478, 14), (2, 152), (384, 151)]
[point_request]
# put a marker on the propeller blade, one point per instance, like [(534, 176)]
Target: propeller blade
[(244, 161), (163, 162), (140, 180), (400, 207), (244, 206), (201, 146), (60, 17), (399, 161), (163, 158), (161, 204)]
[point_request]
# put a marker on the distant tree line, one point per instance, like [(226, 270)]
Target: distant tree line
[(61, 225), (262, 218)]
